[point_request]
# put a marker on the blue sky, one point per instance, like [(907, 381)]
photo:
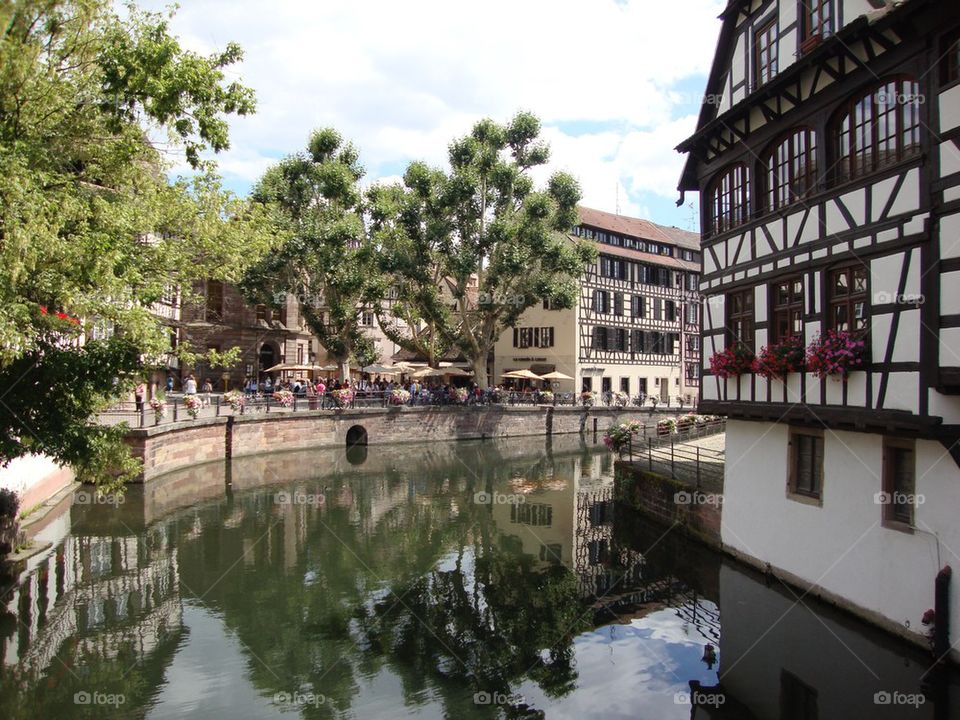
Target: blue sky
[(617, 83)]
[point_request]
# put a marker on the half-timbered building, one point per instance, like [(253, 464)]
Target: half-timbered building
[(827, 158), (636, 326)]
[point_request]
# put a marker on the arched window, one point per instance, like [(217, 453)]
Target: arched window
[(729, 199), (877, 129), (789, 168)]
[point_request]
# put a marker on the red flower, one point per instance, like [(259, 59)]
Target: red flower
[(43, 309)]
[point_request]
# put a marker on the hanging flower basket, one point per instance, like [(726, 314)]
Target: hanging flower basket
[(399, 396), (586, 397), (284, 398), (460, 395), (546, 398), (617, 438), (834, 354), (159, 407), (621, 399), (193, 405), (732, 362), (667, 426), (235, 399), (777, 360), (343, 397)]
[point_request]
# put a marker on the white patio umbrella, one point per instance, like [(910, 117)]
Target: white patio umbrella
[(556, 376), (522, 375), (428, 372)]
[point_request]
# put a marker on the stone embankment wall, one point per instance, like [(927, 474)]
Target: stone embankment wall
[(171, 446), (670, 501)]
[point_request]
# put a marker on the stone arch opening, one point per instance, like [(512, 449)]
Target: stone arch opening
[(356, 435)]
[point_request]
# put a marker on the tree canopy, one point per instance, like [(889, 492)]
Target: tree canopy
[(92, 232), (472, 248), (326, 259)]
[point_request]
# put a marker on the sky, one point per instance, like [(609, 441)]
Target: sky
[(616, 83)]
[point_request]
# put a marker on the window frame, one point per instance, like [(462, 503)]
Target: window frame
[(213, 311), (730, 189), (794, 304), (794, 491), (890, 518), (863, 160), (848, 300), (734, 318), (778, 192), (811, 32), (769, 52)]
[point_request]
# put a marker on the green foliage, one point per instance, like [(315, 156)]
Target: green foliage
[(325, 259), (91, 230), (466, 252)]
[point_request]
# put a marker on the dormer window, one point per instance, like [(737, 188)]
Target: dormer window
[(765, 54), (817, 22), (729, 199)]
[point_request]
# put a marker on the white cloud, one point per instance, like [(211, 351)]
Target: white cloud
[(402, 79)]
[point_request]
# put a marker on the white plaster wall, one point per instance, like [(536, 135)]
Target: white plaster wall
[(950, 293), (950, 109), (842, 545), (950, 235), (949, 158), (25, 472)]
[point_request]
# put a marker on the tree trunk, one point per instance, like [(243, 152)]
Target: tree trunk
[(344, 370), (480, 370)]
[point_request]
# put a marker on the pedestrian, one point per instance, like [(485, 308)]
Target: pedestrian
[(169, 383), (207, 390), (190, 386), (139, 393)]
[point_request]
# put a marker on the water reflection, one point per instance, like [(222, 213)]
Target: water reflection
[(471, 579)]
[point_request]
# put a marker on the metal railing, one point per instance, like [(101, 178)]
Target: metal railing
[(671, 453), (175, 408)]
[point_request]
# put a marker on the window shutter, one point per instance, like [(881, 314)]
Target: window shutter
[(516, 337)]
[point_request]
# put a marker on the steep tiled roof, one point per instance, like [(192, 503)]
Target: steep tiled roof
[(638, 228)]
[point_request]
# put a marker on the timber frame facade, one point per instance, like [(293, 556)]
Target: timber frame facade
[(845, 154), (639, 304), (827, 157)]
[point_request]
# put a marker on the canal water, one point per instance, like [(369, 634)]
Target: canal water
[(461, 580)]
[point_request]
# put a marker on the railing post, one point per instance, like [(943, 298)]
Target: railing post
[(143, 414), (217, 405), (650, 454), (673, 472), (294, 403), (698, 467), (175, 404)]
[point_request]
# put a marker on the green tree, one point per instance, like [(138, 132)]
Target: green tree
[(325, 259), (471, 249), (92, 232)]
